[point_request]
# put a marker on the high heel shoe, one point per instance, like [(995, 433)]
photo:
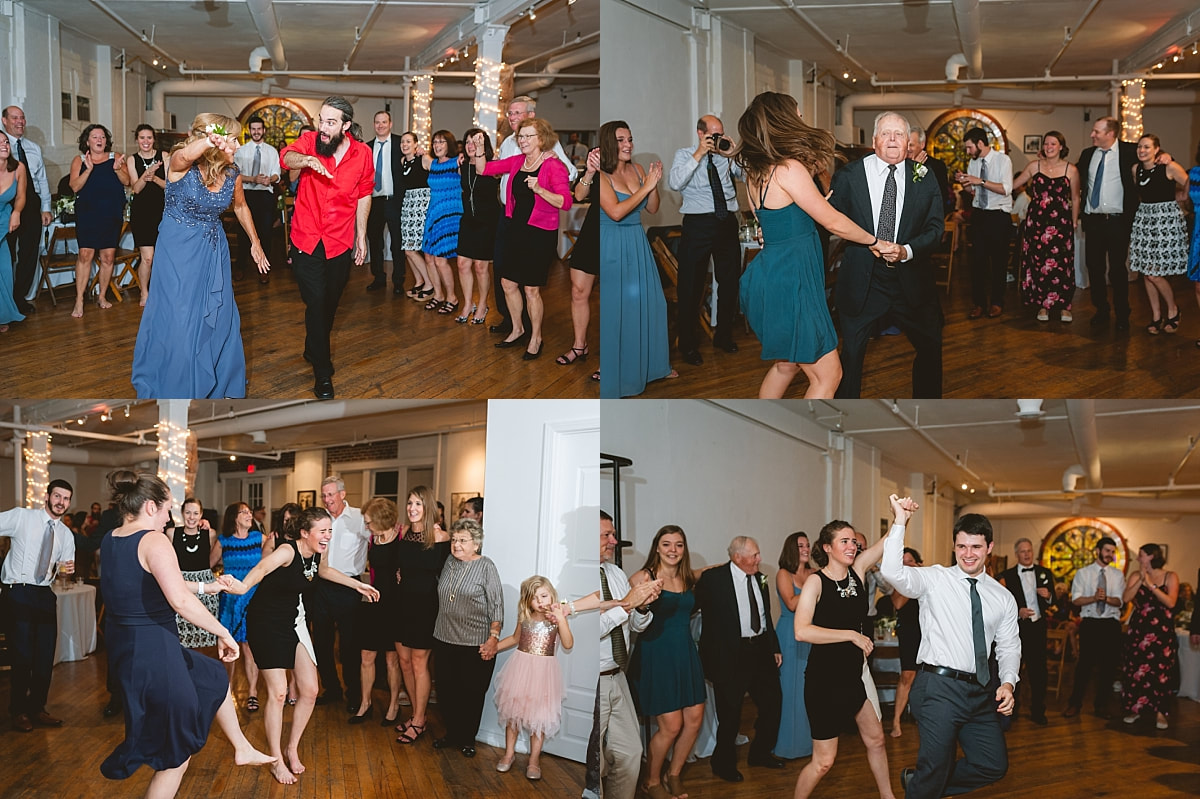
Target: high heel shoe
[(572, 355), (423, 294), (462, 320), (1155, 327), (1171, 324), (447, 307), (434, 303), (533, 356), (479, 320), (362, 718), (415, 291), (516, 342)]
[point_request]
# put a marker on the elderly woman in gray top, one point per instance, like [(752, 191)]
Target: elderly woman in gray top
[(467, 631)]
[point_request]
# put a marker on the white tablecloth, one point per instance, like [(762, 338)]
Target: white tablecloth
[(1189, 669), (76, 622)]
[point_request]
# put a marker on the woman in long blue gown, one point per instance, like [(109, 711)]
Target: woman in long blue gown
[(633, 325), (12, 200), (189, 343), (795, 737)]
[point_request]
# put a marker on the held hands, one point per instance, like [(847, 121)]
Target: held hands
[(903, 509), (642, 594), (888, 251), (231, 584), (559, 613), (487, 650), (1005, 700)]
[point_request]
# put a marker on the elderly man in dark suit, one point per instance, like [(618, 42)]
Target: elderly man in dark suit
[(387, 197), (900, 200), (1032, 586), (1109, 201), (740, 654)]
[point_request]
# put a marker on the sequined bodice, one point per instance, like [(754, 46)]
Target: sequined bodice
[(190, 203), (538, 637)]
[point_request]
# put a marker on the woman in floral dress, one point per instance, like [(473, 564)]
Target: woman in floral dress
[(1048, 235), (1151, 667)]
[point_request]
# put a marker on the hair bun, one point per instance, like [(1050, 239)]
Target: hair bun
[(122, 481)]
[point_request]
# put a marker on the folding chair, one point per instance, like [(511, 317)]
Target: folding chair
[(56, 259)]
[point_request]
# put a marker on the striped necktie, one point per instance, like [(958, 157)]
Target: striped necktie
[(617, 636)]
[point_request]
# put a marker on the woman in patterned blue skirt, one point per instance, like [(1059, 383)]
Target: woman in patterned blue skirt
[(444, 213), (241, 550)]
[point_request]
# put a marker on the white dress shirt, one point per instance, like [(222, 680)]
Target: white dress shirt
[(876, 171), (348, 546), (1085, 582), (509, 147), (27, 529), (386, 189), (1029, 586), (999, 170), (744, 598), (611, 619), (945, 595), (268, 164), (37, 167), (1112, 190)]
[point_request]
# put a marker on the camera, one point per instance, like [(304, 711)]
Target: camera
[(720, 142)]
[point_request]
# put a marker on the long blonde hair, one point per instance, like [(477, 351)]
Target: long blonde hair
[(528, 588), (772, 132), (212, 164)]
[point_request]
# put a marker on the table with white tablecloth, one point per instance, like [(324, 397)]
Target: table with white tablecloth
[(76, 621), (1189, 668)]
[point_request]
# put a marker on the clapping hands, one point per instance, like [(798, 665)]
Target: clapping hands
[(888, 251), (654, 174)]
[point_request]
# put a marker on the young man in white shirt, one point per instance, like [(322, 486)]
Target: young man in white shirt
[(1096, 590)]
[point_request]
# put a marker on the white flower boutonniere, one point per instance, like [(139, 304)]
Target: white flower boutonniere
[(762, 581), (919, 171)]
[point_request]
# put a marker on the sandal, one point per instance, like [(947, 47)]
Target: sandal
[(1155, 327), (411, 733), (447, 308), (421, 295), (414, 292), (1171, 324), (572, 355), (434, 303), (479, 320), (252, 704), (462, 320)]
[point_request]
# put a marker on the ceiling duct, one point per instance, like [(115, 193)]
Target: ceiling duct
[(262, 12), (556, 64)]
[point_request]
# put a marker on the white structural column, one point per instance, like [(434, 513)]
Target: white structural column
[(173, 436), (422, 121), (37, 467), (487, 78)]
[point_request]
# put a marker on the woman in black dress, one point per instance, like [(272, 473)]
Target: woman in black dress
[(423, 550), (585, 261), (285, 575), (831, 615), (477, 230), (98, 178), (908, 630), (373, 625), (170, 694), (145, 213)]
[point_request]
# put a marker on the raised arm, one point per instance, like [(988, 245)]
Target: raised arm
[(182, 159), (583, 187), (619, 209), (908, 580)]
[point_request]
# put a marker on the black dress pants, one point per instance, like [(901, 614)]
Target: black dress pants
[(385, 213), (464, 678), (705, 237), (1099, 652), (758, 676), (1033, 652), (31, 626), (263, 211), (1106, 253), (333, 609), (321, 281), (990, 235), (24, 245)]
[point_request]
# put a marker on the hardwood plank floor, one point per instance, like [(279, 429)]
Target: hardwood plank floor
[(1013, 355), (343, 761), (383, 346)]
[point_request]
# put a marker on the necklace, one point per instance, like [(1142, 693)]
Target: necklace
[(191, 548), (536, 163), (406, 164), (1149, 173), (310, 565), (466, 567), (472, 176), (850, 590)]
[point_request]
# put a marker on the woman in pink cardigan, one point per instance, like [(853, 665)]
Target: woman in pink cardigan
[(538, 187)]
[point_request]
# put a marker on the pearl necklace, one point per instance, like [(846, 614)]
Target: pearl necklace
[(526, 167)]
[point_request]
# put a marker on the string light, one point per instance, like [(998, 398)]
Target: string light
[(173, 458), (487, 94), (37, 468), (422, 119), (1133, 100)]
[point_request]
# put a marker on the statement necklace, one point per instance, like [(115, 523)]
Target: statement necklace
[(191, 548), (406, 164), (472, 176), (310, 565), (850, 590), (1149, 173)]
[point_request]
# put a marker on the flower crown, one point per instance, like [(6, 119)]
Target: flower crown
[(217, 129)]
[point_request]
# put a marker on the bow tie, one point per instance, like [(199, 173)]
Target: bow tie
[(1026, 569)]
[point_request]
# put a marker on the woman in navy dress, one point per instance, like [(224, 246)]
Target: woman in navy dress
[(98, 177), (795, 738), (189, 343), (444, 214), (665, 671), (12, 200), (170, 694), (282, 578)]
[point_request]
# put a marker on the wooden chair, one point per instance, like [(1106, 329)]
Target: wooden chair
[(668, 267), (953, 227), (56, 259), (1057, 644), (124, 265)]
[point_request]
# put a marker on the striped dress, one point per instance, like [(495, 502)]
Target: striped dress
[(239, 556)]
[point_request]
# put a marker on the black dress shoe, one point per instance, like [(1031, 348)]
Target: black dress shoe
[(111, 709), (329, 697), (691, 356), (442, 743), (1099, 321), (732, 775), (398, 290), (323, 390), (468, 751), (26, 308), (1041, 720), (765, 762), (376, 285), (533, 356), (519, 341), (352, 707), (360, 719), (906, 774), (500, 329), (307, 357), (726, 345), (1122, 325)]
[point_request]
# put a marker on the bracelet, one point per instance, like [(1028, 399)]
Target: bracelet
[(495, 635), (200, 588), (571, 605), (872, 244), (585, 182)]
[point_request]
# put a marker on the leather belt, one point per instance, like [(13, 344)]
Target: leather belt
[(953, 674), (610, 672), (1104, 216)]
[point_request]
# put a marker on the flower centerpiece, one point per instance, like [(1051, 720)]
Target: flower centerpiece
[(885, 627), (64, 208)]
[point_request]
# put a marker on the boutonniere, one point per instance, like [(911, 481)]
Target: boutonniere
[(762, 581), (919, 171)]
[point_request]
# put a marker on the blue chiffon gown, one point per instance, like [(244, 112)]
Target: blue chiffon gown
[(795, 739), (8, 305), (189, 344), (633, 324)]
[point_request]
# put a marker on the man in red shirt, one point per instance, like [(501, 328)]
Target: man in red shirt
[(332, 206)]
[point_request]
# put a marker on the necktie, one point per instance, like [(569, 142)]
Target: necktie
[(1094, 200), (617, 636), (755, 620), (45, 553), (981, 199), (379, 168), (886, 229), (256, 166), (720, 207), (981, 649), (1102, 581), (21, 155)]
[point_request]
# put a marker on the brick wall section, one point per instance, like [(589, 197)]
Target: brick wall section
[(375, 451)]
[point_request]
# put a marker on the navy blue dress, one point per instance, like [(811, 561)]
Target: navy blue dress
[(170, 694), (189, 344), (100, 208)]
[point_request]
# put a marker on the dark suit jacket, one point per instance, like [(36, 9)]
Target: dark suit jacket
[(397, 156), (721, 630), (938, 167), (1044, 578), (920, 227), (1127, 156)]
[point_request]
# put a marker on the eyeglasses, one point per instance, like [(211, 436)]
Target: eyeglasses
[(525, 136)]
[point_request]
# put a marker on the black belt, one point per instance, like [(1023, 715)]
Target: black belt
[(382, 196), (611, 672), (1103, 216), (953, 674), (25, 585)]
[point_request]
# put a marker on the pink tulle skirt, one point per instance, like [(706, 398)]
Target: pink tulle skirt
[(529, 693)]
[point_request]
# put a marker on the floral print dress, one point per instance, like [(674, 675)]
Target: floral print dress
[(1151, 667), (1048, 245)]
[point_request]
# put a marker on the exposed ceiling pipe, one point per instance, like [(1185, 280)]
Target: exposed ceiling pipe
[(135, 32), (306, 414), (262, 12), (970, 38), (912, 424), (1081, 416), (833, 45), (953, 64), (568, 46), (1070, 478), (93, 457), (556, 64), (1115, 506), (361, 31), (1114, 77), (257, 56), (1179, 467), (1069, 34)]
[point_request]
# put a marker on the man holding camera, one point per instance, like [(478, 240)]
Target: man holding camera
[(704, 176)]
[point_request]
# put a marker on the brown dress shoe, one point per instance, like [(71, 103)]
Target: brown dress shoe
[(994, 311), (21, 723), (976, 313), (44, 719)]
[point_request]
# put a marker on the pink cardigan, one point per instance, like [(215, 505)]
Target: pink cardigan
[(552, 176)]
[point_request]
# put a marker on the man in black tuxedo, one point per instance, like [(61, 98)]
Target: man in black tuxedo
[(888, 194), (1032, 586), (1109, 202), (740, 654), (386, 200)]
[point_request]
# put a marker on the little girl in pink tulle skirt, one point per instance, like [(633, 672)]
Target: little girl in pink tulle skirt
[(529, 687)]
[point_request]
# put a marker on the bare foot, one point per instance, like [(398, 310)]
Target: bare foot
[(293, 759), (142, 303), (249, 756), (673, 374), (78, 312), (104, 303), (3, 328), (282, 775), (895, 732)]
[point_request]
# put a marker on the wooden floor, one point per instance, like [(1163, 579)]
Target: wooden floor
[(343, 761), (383, 346), (1012, 355)]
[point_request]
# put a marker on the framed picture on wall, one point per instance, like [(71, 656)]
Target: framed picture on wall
[(456, 503), (1033, 145), (306, 499)]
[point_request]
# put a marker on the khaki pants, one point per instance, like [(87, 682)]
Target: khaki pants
[(620, 739)]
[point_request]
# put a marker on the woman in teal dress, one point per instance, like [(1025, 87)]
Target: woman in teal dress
[(665, 671), (12, 200), (783, 290), (795, 738), (633, 326)]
